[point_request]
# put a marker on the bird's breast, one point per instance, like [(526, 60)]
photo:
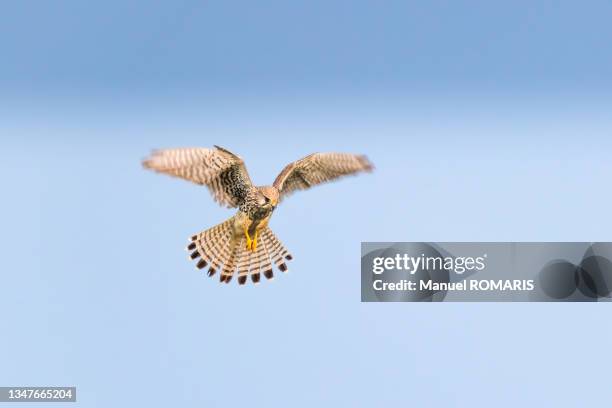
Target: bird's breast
[(259, 213)]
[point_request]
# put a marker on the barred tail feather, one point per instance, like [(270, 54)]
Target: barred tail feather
[(245, 263), (266, 265), (231, 259), (221, 250), (210, 244), (263, 263), (278, 252), (259, 262)]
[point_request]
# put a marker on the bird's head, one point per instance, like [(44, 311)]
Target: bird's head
[(269, 196)]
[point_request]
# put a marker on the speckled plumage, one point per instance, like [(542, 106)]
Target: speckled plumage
[(228, 247)]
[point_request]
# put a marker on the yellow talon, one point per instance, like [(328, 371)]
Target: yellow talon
[(249, 242)]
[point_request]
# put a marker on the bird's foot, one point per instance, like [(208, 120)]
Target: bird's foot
[(249, 241), (251, 244)]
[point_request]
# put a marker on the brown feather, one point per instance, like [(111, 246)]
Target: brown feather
[(223, 172), (319, 168)]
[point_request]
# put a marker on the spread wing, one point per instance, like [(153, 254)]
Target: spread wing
[(319, 168), (223, 172)]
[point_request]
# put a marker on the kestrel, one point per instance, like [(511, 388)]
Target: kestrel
[(244, 242)]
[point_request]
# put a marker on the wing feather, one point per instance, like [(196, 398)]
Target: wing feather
[(223, 172), (319, 168)]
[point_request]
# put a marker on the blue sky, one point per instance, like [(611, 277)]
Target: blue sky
[(160, 46), (485, 121)]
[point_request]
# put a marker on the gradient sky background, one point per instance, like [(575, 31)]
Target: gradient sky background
[(486, 121)]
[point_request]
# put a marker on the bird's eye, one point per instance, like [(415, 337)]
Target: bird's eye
[(267, 200)]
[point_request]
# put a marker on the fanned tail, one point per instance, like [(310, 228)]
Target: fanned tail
[(222, 249)]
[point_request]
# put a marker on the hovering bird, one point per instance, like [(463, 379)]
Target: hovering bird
[(244, 242)]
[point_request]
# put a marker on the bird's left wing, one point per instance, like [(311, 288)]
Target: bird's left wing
[(223, 172), (319, 168)]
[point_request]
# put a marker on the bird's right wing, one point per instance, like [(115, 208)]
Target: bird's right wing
[(223, 172)]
